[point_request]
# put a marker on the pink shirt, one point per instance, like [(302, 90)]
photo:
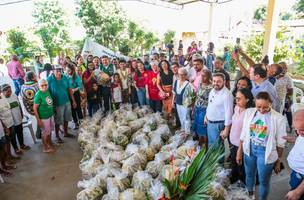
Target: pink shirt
[(237, 125), (15, 70), (197, 79)]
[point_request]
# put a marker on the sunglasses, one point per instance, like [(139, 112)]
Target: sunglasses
[(43, 85)]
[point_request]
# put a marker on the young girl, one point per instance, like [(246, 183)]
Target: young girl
[(76, 85), (44, 111), (116, 90), (93, 99), (17, 114)]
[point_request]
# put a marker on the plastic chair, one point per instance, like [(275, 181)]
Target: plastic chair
[(28, 124)]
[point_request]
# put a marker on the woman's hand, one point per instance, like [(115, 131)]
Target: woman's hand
[(205, 120), (40, 124), (239, 156)]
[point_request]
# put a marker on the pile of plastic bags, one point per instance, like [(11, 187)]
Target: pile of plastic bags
[(127, 154)]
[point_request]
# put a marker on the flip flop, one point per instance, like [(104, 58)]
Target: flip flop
[(60, 141), (9, 167), (25, 147), (6, 173)]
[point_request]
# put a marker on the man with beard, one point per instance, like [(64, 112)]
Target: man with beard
[(219, 111), (198, 65)]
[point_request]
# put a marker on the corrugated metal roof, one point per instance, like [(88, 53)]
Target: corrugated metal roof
[(184, 2)]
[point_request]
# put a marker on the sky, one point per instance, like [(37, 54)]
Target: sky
[(192, 18)]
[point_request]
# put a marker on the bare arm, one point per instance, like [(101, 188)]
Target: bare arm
[(246, 57), (296, 193), (159, 84)]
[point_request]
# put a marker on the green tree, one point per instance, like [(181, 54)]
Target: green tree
[(104, 21), (51, 26), (169, 36), (260, 13), (254, 47), (299, 7), (19, 45)]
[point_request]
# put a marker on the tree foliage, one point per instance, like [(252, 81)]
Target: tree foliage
[(51, 26), (19, 45), (260, 13), (299, 7), (169, 36), (106, 22), (254, 47)]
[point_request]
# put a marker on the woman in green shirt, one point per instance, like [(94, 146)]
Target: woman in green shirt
[(44, 111), (76, 86)]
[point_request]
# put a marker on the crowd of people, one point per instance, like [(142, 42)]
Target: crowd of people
[(193, 92)]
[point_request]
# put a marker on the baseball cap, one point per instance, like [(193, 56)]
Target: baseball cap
[(57, 67)]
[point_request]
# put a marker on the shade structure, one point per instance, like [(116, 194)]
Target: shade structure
[(184, 2)]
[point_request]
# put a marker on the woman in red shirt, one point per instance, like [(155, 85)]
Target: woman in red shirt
[(140, 77), (152, 91)]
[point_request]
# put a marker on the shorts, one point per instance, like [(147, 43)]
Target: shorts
[(48, 126), (63, 114)]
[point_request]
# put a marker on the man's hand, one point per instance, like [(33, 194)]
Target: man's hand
[(277, 166), (224, 134), (40, 124), (290, 139), (205, 120), (293, 195)]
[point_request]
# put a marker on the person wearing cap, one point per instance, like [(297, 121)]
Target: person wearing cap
[(61, 92), (16, 72), (17, 114), (219, 68)]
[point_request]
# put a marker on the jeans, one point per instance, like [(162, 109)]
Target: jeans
[(106, 96), (141, 95), (256, 163), (295, 180), (155, 105), (213, 132), (92, 108), (18, 83)]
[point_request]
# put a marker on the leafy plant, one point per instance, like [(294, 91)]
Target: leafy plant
[(169, 36), (194, 181), (51, 26)]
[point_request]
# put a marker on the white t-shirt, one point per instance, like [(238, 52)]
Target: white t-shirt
[(15, 109), (259, 128), (296, 156), (5, 113)]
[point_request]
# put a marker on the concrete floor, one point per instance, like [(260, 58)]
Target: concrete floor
[(42, 176)]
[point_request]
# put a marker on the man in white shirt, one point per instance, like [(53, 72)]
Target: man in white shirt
[(296, 159), (219, 110)]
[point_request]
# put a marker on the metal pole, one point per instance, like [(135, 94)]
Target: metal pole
[(210, 27)]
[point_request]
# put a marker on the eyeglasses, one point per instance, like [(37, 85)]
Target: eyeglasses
[(44, 85)]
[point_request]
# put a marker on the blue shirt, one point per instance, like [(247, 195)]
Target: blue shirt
[(227, 59), (266, 86), (59, 89)]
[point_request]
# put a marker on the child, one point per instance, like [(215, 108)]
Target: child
[(3, 155), (44, 111), (93, 99), (17, 114), (116, 91)]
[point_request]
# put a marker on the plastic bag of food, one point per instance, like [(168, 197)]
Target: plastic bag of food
[(150, 125), (121, 183), (98, 180), (120, 139), (92, 193), (143, 111), (136, 124), (157, 190), (163, 156), (156, 142), (125, 130), (139, 139), (162, 130), (217, 191), (117, 156), (103, 154), (142, 181), (237, 191), (222, 176), (131, 149), (111, 146), (132, 194), (134, 163), (154, 168), (131, 116), (150, 152), (159, 119)]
